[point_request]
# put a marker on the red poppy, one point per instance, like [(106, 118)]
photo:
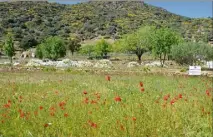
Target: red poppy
[(93, 102), (92, 124), (7, 105), (52, 114), (172, 101), (86, 100), (142, 89), (134, 118), (85, 92), (22, 114), (141, 84), (208, 93), (118, 99), (52, 108), (65, 115), (40, 107), (9, 101), (166, 97), (62, 103), (46, 125), (180, 95), (108, 78)]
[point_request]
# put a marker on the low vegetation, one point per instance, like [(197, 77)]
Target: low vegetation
[(72, 104)]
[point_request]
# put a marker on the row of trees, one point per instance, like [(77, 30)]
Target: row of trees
[(163, 43)]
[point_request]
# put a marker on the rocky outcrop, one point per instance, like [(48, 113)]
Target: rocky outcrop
[(103, 64), (133, 64)]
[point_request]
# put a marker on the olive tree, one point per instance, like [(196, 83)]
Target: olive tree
[(138, 42)]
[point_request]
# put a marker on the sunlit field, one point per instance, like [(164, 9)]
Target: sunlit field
[(104, 105)]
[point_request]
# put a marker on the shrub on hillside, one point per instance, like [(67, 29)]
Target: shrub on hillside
[(52, 48)]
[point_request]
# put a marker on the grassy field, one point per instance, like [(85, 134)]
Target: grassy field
[(79, 104)]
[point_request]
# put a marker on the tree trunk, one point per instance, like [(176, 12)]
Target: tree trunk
[(72, 53), (11, 60), (139, 58), (164, 58)]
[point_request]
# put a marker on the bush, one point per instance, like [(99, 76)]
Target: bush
[(102, 48), (190, 53), (28, 42), (87, 50), (52, 48)]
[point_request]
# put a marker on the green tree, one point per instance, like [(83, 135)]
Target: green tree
[(74, 43), (9, 47), (138, 42), (162, 41), (102, 48), (88, 50), (52, 48)]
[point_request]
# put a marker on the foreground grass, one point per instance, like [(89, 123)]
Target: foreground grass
[(68, 104)]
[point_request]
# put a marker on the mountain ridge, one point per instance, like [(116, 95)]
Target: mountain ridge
[(93, 19)]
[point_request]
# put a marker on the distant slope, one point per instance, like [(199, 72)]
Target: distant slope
[(92, 19)]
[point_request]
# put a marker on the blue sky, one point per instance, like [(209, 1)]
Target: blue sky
[(189, 9)]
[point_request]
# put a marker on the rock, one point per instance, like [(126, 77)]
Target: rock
[(153, 64), (133, 64), (62, 64), (84, 64), (209, 64), (34, 62), (16, 64), (103, 64), (6, 63)]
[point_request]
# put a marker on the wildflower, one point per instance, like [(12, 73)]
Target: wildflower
[(62, 103), (172, 101), (166, 97), (180, 95), (134, 118), (118, 99), (93, 102), (108, 78), (46, 125), (52, 108), (208, 93), (22, 114), (142, 89), (86, 100), (52, 114), (141, 84), (92, 124), (65, 115), (7, 105), (40, 107), (9, 101), (85, 92)]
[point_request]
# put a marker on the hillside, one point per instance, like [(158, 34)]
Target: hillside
[(92, 19)]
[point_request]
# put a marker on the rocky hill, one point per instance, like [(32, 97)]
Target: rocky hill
[(38, 20)]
